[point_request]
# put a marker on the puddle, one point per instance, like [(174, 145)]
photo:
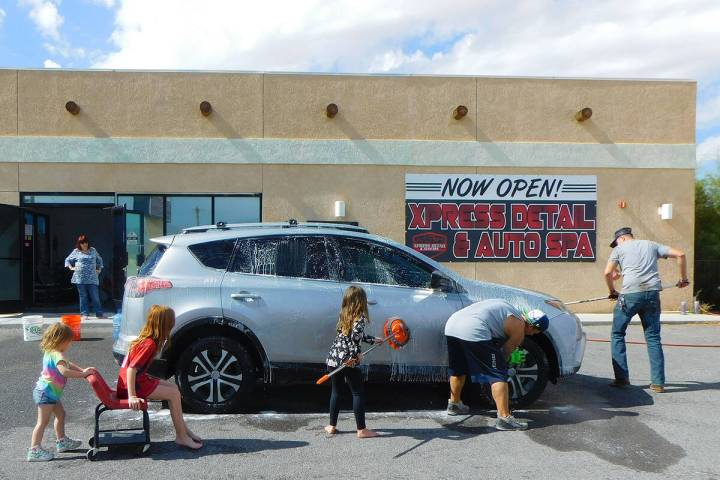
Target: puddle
[(617, 437)]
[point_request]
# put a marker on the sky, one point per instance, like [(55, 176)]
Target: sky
[(560, 38)]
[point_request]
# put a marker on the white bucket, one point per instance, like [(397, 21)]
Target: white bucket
[(32, 328)]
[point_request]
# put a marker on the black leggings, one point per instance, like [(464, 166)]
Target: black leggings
[(355, 381)]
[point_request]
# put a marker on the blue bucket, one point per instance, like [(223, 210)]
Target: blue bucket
[(116, 319)]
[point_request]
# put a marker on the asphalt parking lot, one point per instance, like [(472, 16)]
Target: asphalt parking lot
[(580, 428)]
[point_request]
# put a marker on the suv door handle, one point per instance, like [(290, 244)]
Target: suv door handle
[(372, 302), (244, 296)]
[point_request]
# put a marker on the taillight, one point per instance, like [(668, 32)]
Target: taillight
[(139, 287)]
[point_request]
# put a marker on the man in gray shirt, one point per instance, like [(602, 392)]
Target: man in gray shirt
[(640, 294), (480, 339)]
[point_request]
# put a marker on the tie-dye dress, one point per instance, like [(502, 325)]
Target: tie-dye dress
[(51, 383)]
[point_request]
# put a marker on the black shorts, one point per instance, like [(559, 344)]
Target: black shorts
[(484, 361)]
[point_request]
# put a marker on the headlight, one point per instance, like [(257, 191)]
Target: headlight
[(557, 304)]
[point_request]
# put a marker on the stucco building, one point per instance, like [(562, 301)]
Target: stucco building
[(524, 190)]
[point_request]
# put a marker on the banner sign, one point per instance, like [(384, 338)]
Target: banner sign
[(539, 218)]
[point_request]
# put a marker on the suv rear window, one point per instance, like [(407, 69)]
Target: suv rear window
[(151, 261), (214, 254)]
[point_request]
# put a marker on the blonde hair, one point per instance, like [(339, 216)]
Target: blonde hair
[(354, 305), (160, 321), (55, 335)]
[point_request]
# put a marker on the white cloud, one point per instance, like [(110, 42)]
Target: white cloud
[(104, 3), (45, 16), (643, 38), (2, 16), (708, 151), (709, 111), (50, 64)]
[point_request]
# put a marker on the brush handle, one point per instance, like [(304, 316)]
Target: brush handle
[(327, 376)]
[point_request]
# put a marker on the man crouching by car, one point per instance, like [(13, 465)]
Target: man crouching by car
[(480, 339)]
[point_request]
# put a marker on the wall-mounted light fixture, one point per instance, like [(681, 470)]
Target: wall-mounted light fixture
[(460, 112), (665, 211), (622, 204), (72, 107), (339, 208), (584, 114), (331, 110), (205, 108)]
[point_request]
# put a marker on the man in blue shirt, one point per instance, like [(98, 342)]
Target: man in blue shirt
[(640, 294)]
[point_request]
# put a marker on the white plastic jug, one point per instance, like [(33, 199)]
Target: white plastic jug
[(32, 328)]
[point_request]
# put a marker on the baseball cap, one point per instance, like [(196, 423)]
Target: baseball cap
[(537, 318), (619, 233)]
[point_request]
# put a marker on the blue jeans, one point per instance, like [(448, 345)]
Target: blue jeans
[(89, 291), (647, 306)]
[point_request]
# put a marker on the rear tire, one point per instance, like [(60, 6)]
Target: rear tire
[(215, 375)]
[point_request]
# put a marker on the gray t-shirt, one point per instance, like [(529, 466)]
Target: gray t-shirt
[(481, 321), (638, 264)]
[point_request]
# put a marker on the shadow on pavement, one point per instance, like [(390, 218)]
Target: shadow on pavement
[(169, 450)]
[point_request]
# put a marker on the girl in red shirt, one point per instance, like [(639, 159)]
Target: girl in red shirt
[(136, 385)]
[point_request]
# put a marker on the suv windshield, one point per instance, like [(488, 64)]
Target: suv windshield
[(151, 261)]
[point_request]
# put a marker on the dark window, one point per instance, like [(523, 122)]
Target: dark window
[(304, 257), (369, 262), (151, 261), (214, 254)]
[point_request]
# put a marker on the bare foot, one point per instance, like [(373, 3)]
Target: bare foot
[(188, 443), (366, 433), (331, 430), (193, 436)]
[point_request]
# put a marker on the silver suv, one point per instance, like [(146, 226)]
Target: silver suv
[(258, 303)]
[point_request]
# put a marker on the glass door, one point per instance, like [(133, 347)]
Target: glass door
[(10, 259)]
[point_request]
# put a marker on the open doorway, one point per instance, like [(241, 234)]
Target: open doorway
[(50, 225)]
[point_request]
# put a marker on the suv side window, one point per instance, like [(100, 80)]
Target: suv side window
[(214, 254), (369, 262), (304, 257), (307, 257)]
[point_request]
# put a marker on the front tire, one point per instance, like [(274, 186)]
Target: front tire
[(215, 375), (531, 376), (530, 379)]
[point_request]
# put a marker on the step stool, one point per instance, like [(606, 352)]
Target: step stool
[(122, 437)]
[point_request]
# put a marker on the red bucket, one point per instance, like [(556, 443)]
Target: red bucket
[(73, 321)]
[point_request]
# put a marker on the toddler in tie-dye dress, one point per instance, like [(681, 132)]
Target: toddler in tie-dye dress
[(49, 389)]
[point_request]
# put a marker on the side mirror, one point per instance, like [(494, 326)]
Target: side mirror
[(438, 281)]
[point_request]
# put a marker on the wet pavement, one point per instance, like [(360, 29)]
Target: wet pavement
[(581, 428)]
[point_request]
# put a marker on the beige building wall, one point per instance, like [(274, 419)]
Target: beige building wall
[(278, 106)]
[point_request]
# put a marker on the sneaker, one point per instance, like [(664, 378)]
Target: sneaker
[(457, 409), (657, 388), (67, 444), (510, 423), (620, 383), (39, 454), (99, 315)]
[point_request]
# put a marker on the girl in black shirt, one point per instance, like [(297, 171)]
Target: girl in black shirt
[(346, 349)]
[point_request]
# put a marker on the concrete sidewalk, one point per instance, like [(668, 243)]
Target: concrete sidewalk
[(668, 318), (673, 318)]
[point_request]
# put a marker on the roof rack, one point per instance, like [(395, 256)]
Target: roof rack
[(292, 223)]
